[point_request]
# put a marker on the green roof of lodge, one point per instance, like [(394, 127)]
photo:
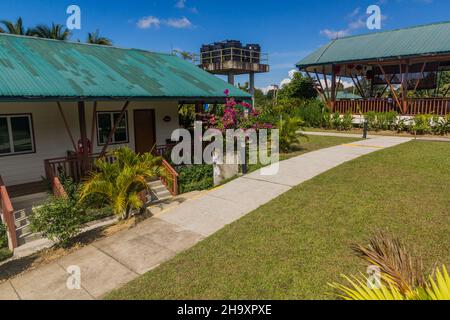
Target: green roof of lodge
[(413, 41), (50, 69)]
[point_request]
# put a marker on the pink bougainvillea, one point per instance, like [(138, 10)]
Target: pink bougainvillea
[(236, 115)]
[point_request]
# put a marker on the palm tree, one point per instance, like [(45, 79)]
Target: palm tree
[(120, 183), (13, 28), (95, 38), (56, 32), (185, 55)]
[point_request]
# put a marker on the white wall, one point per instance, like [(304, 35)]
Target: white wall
[(52, 139)]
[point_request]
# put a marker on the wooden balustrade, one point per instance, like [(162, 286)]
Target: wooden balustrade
[(169, 177), (74, 167), (7, 215), (439, 107)]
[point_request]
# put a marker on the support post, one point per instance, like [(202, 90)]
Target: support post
[(231, 78), (333, 88), (83, 135), (94, 122), (66, 124), (251, 79), (391, 87)]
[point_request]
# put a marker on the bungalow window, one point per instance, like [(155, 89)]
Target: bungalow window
[(105, 123), (16, 135)]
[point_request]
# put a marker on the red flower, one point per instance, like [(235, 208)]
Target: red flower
[(227, 92)]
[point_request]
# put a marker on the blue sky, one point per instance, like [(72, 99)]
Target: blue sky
[(287, 29)]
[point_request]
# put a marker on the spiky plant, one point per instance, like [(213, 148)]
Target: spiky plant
[(120, 183), (55, 31), (95, 38), (16, 28), (401, 275)]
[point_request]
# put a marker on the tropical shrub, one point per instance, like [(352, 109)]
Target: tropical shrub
[(422, 124), (59, 219), (336, 121), (120, 184), (400, 275), (194, 178), (289, 132), (381, 120), (347, 121), (312, 113), (441, 126), (402, 125)]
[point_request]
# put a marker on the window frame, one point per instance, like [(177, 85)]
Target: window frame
[(111, 116), (8, 117)]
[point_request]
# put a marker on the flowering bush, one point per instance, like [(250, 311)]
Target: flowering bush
[(237, 115)]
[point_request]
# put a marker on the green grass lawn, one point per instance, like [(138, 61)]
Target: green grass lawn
[(292, 247)]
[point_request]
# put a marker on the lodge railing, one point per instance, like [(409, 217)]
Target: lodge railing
[(169, 177), (440, 107), (7, 215), (77, 168)]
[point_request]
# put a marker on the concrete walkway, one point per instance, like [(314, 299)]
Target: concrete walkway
[(373, 136), (120, 258)]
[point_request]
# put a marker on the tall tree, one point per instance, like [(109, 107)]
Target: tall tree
[(56, 32), (13, 28), (95, 38), (300, 87)]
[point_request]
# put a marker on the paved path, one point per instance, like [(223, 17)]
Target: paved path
[(373, 136), (116, 260)]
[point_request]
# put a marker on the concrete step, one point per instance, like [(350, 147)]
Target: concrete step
[(28, 237), (23, 230), (159, 190), (22, 221), (20, 214)]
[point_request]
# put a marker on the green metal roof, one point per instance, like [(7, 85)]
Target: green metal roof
[(41, 68), (413, 41)]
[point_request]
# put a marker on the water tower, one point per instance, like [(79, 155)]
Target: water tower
[(231, 58)]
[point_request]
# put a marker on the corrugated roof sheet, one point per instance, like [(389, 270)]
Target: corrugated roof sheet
[(418, 40), (32, 67)]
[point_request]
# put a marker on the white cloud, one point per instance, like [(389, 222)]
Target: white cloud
[(334, 34), (357, 21), (267, 89), (289, 78), (180, 4), (179, 23), (148, 22), (151, 21)]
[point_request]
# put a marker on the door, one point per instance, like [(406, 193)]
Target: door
[(144, 130)]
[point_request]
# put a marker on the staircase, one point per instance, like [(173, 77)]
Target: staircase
[(23, 207), (159, 192)]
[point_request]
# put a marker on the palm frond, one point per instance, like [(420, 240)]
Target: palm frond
[(439, 289), (394, 260)]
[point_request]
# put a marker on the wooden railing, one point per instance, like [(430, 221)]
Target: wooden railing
[(7, 216), (73, 166), (169, 177), (76, 168), (439, 107)]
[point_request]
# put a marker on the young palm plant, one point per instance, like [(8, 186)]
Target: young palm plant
[(120, 183), (401, 275)]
